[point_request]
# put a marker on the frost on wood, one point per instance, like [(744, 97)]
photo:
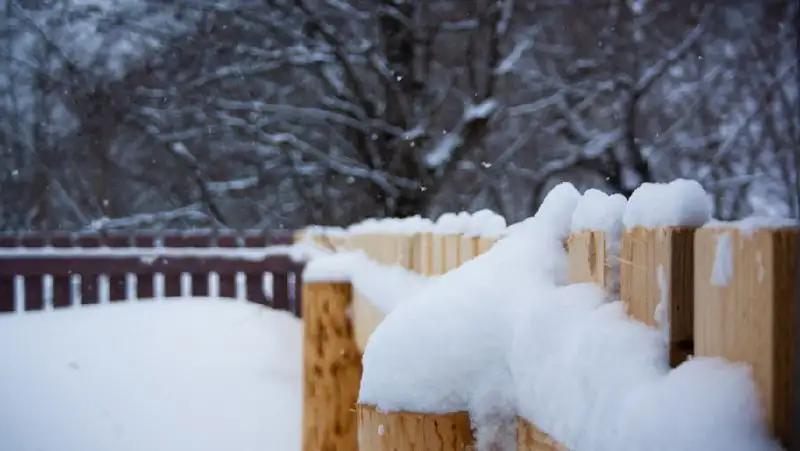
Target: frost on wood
[(444, 349), (680, 203), (661, 314), (594, 379), (750, 225), (722, 273)]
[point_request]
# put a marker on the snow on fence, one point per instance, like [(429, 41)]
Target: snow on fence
[(42, 272), (602, 323)]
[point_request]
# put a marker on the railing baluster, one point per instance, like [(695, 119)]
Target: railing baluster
[(117, 281), (130, 286), (213, 284), (89, 286), (75, 290), (61, 285), (103, 289), (47, 292)]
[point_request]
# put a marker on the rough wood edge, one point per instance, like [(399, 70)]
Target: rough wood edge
[(389, 431), (531, 438)]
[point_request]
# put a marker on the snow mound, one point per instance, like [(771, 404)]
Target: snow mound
[(599, 211), (167, 375), (444, 349), (596, 380), (680, 203)]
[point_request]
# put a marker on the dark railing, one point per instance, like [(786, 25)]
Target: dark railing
[(39, 272)]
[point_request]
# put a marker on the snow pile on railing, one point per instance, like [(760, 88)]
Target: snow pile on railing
[(677, 203), (385, 286), (480, 223), (503, 335), (596, 380), (467, 313)]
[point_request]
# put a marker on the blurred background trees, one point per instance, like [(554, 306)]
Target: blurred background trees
[(281, 113)]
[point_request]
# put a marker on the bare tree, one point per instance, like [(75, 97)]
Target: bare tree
[(279, 113)]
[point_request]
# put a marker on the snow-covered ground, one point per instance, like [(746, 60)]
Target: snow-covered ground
[(167, 375)]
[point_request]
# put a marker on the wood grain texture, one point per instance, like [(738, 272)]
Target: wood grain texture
[(656, 265), (588, 262), (486, 242), (468, 248), (452, 251), (331, 369), (531, 438), (408, 431), (751, 315), (423, 253)]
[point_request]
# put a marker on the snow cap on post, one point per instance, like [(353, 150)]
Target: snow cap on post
[(680, 203)]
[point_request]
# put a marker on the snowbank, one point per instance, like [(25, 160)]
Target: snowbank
[(504, 335), (175, 375), (595, 380), (444, 350)]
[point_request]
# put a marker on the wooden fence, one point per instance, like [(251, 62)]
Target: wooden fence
[(60, 270), (755, 294)]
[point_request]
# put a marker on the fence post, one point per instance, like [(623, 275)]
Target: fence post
[(656, 283), (588, 262), (331, 368), (467, 248), (423, 253), (747, 294), (390, 431), (451, 244), (404, 245)]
